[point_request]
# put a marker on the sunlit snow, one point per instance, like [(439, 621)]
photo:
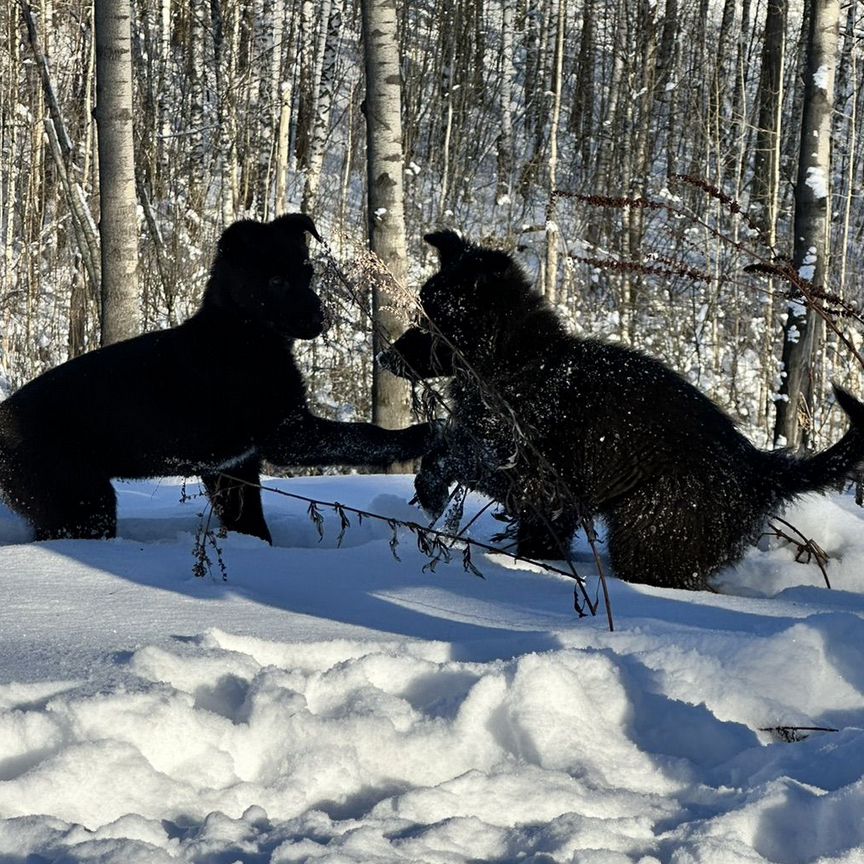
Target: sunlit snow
[(333, 704)]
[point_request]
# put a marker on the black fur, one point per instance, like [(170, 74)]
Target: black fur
[(560, 429), (207, 398)]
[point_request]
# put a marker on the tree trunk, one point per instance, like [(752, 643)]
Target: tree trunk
[(812, 223), (284, 75), (449, 33), (722, 87), (552, 232), (223, 86), (847, 88), (582, 110), (666, 81), (306, 73), (323, 104), (504, 143), (766, 169), (390, 395), (766, 176), (118, 220), (64, 154), (195, 57)]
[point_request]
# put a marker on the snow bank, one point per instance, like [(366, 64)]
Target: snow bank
[(332, 704)]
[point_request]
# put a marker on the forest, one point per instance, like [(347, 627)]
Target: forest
[(643, 158)]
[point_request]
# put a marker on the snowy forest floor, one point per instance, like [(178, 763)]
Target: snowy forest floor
[(333, 704)]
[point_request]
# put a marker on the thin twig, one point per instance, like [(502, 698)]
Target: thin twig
[(806, 544), (414, 527), (591, 534), (792, 734)]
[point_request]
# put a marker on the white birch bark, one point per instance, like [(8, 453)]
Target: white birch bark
[(552, 233), (448, 96), (849, 68), (812, 222), (322, 37), (323, 106), (503, 192), (390, 402), (196, 64), (118, 219), (9, 169), (262, 105), (285, 88), (222, 77), (306, 74)]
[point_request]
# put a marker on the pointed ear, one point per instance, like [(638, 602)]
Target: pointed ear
[(298, 222), (449, 245)]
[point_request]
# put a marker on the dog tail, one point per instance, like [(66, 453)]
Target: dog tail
[(830, 467)]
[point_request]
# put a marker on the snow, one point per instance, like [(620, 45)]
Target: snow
[(333, 704), (817, 181), (821, 78), (806, 271)]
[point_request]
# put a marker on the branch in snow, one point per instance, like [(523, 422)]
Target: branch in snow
[(434, 543)]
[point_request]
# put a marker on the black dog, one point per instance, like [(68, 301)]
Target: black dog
[(209, 397), (561, 429)]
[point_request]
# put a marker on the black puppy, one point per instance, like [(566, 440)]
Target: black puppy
[(207, 397), (560, 429)]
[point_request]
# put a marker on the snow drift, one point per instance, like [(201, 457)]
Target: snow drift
[(331, 703)]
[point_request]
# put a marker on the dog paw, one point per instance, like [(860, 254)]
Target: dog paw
[(433, 493)]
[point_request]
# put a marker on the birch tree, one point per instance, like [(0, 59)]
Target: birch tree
[(766, 171), (283, 83), (666, 82), (323, 105), (766, 174), (307, 41), (221, 66), (118, 219), (390, 396), (505, 137), (195, 13), (812, 222), (552, 231)]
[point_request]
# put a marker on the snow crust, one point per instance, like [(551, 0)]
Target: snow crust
[(332, 704)]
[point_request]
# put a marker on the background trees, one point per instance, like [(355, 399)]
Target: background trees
[(253, 108)]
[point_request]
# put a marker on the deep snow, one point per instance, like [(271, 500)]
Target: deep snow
[(333, 704)]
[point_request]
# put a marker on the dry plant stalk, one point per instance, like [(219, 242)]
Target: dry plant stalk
[(806, 546), (436, 544)]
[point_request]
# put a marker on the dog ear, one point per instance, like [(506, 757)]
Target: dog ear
[(448, 243), (297, 222)]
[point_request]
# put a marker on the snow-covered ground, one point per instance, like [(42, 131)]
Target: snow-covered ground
[(332, 704)]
